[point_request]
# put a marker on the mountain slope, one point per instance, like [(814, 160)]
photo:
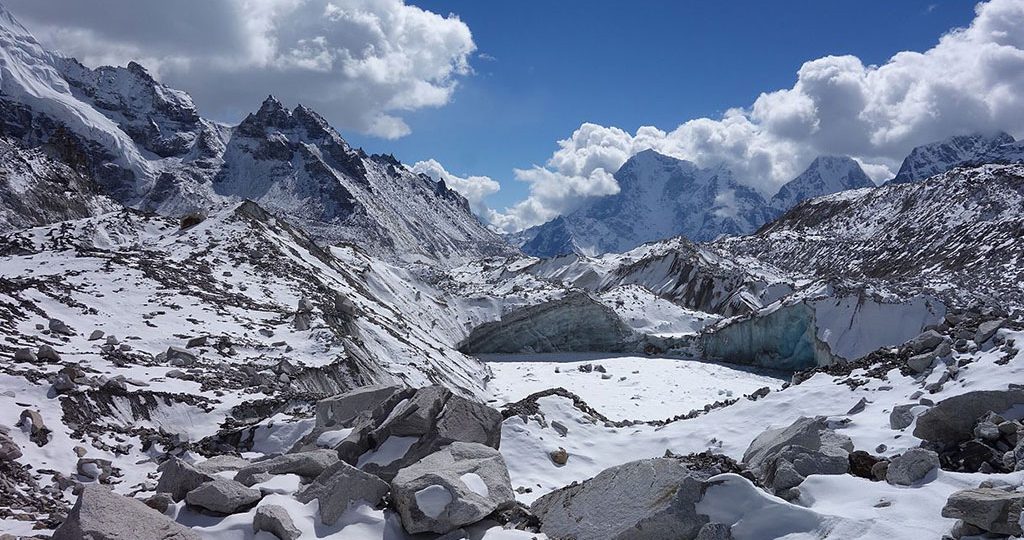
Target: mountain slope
[(824, 176), (938, 157), (148, 147), (659, 197), (958, 232)]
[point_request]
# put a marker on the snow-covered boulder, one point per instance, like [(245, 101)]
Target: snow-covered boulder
[(456, 486), (340, 485), (308, 464), (647, 499), (911, 467), (223, 496), (102, 514), (783, 457)]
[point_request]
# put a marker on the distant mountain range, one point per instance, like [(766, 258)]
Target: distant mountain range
[(661, 197)]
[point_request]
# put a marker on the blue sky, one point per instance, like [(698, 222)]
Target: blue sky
[(558, 64)]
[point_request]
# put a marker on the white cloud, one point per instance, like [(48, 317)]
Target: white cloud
[(359, 62), (971, 80), (473, 188)]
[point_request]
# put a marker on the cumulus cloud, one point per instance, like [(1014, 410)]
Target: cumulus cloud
[(972, 80), (359, 62), (473, 188)]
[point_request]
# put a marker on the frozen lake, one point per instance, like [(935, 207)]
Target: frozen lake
[(633, 387)]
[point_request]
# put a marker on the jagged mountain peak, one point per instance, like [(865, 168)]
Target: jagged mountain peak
[(971, 149), (825, 175)]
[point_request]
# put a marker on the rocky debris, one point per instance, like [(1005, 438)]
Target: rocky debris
[(96, 469), (306, 464), (48, 353), (991, 510), (458, 485), (58, 326), (340, 485), (275, 520), (101, 514), (782, 458), (178, 478), (647, 499), (714, 531), (911, 467), (32, 422), (223, 496), (952, 420), (926, 341), (9, 450), (303, 315)]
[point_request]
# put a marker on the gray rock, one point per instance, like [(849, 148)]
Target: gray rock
[(921, 362), (180, 356), (650, 499), (275, 520), (9, 450), (100, 514), (714, 531), (340, 485), (308, 464), (902, 416), (218, 464), (926, 341), (859, 407), (989, 509), (952, 420), (24, 354), (159, 502), (1017, 455), (987, 329), (94, 468), (95, 335), (177, 478), (58, 326), (559, 428), (987, 431), (781, 458), (223, 496), (458, 485), (911, 467), (342, 410), (63, 383), (47, 352)]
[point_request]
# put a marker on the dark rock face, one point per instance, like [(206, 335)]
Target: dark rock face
[(935, 158), (952, 420), (574, 323)]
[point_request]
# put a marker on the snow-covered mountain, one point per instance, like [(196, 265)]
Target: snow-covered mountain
[(938, 157), (824, 176), (148, 147), (659, 197)]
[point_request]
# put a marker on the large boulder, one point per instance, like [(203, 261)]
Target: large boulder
[(988, 329), (992, 510), (307, 464), (783, 457), (456, 486), (100, 514), (952, 420), (650, 499), (925, 341), (339, 486), (223, 496), (222, 463), (275, 520), (342, 410), (911, 467), (178, 478), (428, 421)]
